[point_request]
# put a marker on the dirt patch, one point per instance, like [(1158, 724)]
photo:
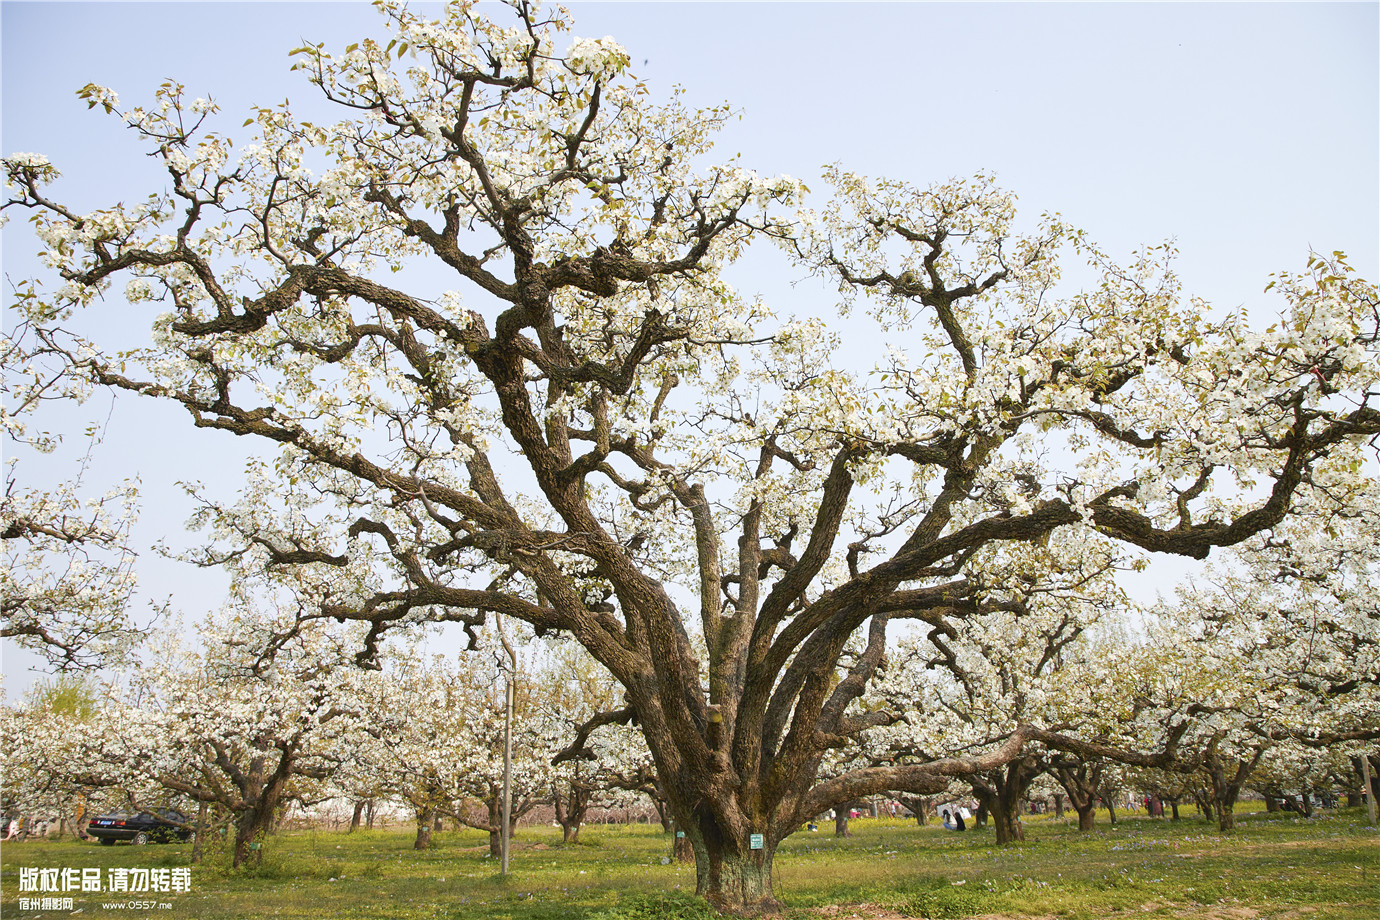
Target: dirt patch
[(484, 847), (857, 912), (1223, 913), (873, 912)]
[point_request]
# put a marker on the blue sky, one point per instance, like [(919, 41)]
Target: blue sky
[(1247, 132)]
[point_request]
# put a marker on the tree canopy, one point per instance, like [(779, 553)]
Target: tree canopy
[(589, 430)]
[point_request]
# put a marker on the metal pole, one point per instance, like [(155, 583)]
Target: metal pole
[(508, 774), (1370, 788), (510, 694)]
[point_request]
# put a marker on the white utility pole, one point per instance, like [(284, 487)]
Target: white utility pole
[(1370, 787), (510, 694)]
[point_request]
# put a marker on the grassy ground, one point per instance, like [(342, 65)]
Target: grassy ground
[(1273, 866)]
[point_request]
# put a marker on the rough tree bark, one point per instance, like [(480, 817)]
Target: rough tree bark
[(253, 795), (920, 807), (199, 835), (426, 823), (841, 817), (682, 847), (999, 793), (1080, 780), (1228, 776), (491, 820), (571, 805)]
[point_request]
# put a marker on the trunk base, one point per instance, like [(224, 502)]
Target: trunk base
[(1009, 828), (736, 885)]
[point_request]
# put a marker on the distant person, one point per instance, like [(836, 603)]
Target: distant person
[(958, 821)]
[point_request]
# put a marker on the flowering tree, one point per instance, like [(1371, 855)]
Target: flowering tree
[(621, 770), (1200, 677), (1080, 779), (601, 769), (226, 728), (1277, 661), (1311, 582), (413, 741), (479, 779), (1021, 658), (45, 746), (1268, 674), (67, 571), (434, 738), (1315, 633), (1289, 774), (1108, 696), (594, 430)]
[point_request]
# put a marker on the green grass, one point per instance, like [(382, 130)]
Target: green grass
[(1273, 866)]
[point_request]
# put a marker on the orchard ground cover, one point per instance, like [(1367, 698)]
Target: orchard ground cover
[(1274, 866)]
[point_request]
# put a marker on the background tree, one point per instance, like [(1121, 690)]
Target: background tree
[(45, 743), (1201, 680), (1021, 658), (1315, 632), (1080, 779), (596, 764), (435, 741), (413, 739), (230, 728)]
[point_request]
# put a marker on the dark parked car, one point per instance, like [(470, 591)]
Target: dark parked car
[(157, 825)]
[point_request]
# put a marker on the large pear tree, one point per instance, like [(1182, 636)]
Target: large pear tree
[(482, 321)]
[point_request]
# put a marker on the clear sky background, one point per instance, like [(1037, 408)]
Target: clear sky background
[(1246, 132)]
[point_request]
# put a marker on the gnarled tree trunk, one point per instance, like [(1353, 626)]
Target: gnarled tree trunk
[(426, 822), (841, 815), (1228, 776), (260, 793), (730, 874), (682, 847), (920, 807), (1080, 779), (199, 835), (495, 808), (571, 805), (251, 827), (1000, 791)]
